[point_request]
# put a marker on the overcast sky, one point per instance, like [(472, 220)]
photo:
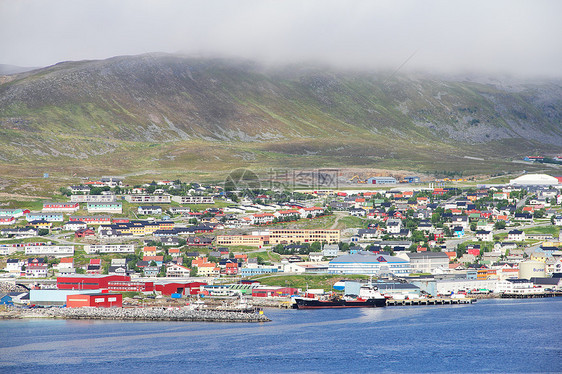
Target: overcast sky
[(500, 36)]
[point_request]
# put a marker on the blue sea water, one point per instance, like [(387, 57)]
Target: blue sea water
[(489, 336)]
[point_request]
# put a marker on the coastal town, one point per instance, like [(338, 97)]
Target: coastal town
[(108, 244)]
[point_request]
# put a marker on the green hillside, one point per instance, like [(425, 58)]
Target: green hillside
[(163, 112)]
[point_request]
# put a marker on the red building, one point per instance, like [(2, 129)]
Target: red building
[(88, 282), (274, 292), (82, 233), (7, 220), (120, 220), (231, 268), (93, 220), (98, 300), (192, 288), (130, 286)]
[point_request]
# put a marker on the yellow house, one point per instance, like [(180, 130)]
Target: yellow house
[(149, 251), (538, 256), (41, 224), (208, 270)]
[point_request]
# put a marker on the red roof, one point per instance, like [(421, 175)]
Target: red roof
[(153, 258)]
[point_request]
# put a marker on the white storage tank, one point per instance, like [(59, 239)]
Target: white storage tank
[(530, 269)]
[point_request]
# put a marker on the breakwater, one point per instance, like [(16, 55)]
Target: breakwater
[(138, 314)]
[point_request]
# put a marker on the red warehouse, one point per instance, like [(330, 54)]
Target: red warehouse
[(192, 288), (98, 300), (89, 282)]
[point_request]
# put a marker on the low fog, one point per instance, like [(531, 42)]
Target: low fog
[(521, 38)]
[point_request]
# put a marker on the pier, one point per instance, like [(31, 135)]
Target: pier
[(432, 301), (529, 295)]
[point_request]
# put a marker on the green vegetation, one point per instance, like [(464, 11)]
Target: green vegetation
[(552, 230), (305, 119), (325, 282)]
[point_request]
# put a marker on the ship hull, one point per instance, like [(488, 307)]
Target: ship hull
[(320, 304)]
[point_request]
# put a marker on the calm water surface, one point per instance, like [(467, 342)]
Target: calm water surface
[(489, 336)]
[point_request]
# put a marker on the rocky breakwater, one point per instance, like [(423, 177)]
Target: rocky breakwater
[(145, 314)]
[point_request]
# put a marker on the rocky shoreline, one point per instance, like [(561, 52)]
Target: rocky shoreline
[(136, 314)]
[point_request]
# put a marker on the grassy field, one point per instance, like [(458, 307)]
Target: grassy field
[(265, 256), (351, 222), (553, 230), (323, 281)]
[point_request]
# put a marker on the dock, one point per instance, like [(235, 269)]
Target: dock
[(529, 295), (431, 301)]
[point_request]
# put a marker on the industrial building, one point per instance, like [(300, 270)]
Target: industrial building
[(426, 262), (98, 300), (381, 180), (88, 282), (535, 180), (369, 263)]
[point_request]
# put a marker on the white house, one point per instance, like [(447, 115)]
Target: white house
[(13, 265), (516, 235), (75, 225), (149, 210), (177, 271), (485, 236)]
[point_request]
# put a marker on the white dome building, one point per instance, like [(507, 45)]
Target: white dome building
[(534, 180)]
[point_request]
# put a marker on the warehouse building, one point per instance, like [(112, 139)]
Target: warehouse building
[(368, 263), (97, 300)]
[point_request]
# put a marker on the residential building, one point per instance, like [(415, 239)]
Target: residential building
[(149, 210), (287, 236), (36, 267), (60, 207), (109, 198), (516, 235), (74, 225), (110, 248), (114, 207), (91, 220), (194, 199), (485, 236), (139, 199), (49, 217), (243, 240), (50, 250), (177, 271)]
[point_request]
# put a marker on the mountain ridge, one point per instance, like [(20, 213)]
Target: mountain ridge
[(80, 110)]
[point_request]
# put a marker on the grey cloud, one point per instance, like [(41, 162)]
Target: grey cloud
[(504, 36)]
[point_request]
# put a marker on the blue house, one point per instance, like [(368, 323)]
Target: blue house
[(458, 231), (6, 299)]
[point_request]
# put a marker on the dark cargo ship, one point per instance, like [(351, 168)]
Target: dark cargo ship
[(369, 297)]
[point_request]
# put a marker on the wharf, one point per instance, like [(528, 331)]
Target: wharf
[(432, 301), (529, 295)]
